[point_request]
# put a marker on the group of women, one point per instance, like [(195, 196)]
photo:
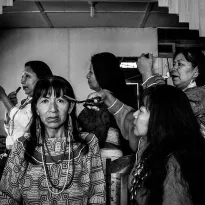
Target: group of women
[(51, 162)]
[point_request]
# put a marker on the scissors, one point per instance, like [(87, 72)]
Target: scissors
[(91, 102)]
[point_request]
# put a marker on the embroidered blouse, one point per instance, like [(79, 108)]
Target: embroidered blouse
[(29, 186), (17, 122)]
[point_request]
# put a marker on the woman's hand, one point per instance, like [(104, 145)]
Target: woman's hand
[(145, 65), (2, 93), (105, 96), (13, 97), (5, 100)]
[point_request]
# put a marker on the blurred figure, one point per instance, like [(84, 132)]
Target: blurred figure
[(54, 164), (17, 119)]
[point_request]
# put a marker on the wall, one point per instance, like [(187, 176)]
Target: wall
[(67, 52)]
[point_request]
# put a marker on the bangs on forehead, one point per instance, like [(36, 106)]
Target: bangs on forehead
[(57, 91)]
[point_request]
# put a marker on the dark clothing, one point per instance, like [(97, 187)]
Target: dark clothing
[(99, 122)]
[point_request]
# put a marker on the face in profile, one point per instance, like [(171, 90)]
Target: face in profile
[(52, 110), (92, 82), (182, 72), (141, 121), (28, 80)]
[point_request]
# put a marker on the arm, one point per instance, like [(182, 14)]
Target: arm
[(9, 185), (145, 67), (97, 180), (123, 115), (124, 118), (8, 104)]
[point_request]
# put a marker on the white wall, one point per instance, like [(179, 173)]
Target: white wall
[(67, 52)]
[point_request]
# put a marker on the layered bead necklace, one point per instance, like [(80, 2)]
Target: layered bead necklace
[(46, 171), (139, 176)]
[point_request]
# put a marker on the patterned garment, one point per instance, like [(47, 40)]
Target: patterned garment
[(29, 186), (17, 122)]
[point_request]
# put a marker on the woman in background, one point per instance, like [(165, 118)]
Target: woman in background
[(17, 119), (54, 164), (187, 73), (105, 73)]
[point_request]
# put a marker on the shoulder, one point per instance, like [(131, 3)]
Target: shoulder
[(22, 141), (175, 187), (196, 93)]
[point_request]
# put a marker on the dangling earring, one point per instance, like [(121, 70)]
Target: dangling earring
[(70, 125), (38, 130)]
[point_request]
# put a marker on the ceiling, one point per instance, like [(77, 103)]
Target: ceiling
[(77, 13)]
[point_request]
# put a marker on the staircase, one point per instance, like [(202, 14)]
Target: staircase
[(189, 11), (5, 3)]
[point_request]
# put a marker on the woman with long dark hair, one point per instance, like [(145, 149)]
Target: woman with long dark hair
[(54, 163), (17, 118), (105, 73), (170, 152)]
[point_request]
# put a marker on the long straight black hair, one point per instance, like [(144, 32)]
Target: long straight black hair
[(173, 130), (109, 75)]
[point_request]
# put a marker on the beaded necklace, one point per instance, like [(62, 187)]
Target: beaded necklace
[(139, 175), (62, 157), (47, 174)]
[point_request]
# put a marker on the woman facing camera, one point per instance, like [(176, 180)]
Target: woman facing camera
[(170, 149), (54, 164)]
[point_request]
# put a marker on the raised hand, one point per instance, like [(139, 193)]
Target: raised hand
[(2, 93), (13, 97), (145, 65), (105, 95)]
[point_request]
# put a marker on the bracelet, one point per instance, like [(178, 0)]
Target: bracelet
[(119, 110), (112, 104)]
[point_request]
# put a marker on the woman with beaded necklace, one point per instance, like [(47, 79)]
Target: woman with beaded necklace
[(170, 155), (54, 164)]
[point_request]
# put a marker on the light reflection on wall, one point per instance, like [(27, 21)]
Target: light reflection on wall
[(128, 65)]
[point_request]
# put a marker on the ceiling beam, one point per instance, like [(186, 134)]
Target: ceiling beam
[(96, 1), (146, 15), (38, 4)]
